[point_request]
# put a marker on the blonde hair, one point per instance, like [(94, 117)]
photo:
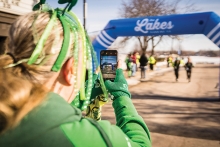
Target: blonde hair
[(21, 86)]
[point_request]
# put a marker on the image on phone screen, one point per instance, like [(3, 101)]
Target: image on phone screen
[(108, 64)]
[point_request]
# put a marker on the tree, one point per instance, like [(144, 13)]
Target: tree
[(138, 8)]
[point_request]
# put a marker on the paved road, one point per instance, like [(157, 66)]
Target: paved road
[(179, 114)]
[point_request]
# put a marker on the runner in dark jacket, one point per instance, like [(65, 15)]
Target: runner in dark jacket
[(176, 66), (188, 66)]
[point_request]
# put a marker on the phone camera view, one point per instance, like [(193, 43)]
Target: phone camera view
[(108, 64)]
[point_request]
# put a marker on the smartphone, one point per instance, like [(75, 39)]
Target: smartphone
[(108, 64)]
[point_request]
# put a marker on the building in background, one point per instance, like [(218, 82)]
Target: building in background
[(9, 11)]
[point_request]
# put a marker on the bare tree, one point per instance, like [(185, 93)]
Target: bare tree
[(138, 8)]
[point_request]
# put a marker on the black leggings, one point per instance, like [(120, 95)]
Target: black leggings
[(151, 66), (176, 73), (188, 73)]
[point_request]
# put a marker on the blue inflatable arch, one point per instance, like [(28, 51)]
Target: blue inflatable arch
[(207, 23)]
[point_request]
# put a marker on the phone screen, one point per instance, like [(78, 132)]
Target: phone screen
[(108, 64)]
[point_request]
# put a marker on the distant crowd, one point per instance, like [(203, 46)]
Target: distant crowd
[(135, 60)]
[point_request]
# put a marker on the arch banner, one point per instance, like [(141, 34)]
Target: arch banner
[(207, 23)]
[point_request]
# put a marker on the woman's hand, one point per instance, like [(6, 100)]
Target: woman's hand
[(119, 87)]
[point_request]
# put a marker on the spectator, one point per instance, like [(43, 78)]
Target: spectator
[(129, 64), (182, 62), (37, 83), (152, 62), (143, 65), (134, 66), (137, 60), (169, 61)]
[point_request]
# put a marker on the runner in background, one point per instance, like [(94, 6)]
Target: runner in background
[(188, 66), (176, 66)]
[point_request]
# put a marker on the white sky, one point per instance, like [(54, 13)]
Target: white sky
[(100, 12)]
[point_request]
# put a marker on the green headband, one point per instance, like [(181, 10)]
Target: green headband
[(40, 44), (58, 64), (71, 25)]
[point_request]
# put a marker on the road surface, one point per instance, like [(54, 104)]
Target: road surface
[(179, 114)]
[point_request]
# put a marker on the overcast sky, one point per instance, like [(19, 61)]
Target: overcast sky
[(100, 12)]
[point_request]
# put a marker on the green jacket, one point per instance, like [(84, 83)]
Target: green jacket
[(55, 123)]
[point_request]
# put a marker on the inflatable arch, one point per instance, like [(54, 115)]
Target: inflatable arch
[(207, 23)]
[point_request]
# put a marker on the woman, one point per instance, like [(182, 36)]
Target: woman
[(38, 80)]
